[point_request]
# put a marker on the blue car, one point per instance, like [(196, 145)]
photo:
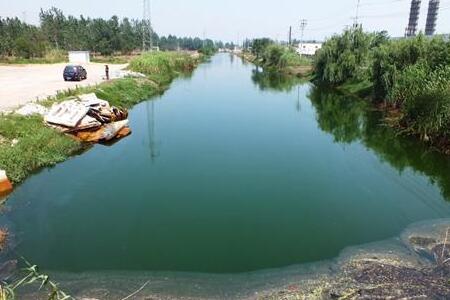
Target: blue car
[(77, 73)]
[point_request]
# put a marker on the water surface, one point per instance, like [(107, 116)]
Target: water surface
[(231, 170)]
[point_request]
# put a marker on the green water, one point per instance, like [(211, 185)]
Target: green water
[(231, 170)]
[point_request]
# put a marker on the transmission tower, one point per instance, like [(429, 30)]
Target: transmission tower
[(356, 22), (433, 8), (413, 18), (147, 30)]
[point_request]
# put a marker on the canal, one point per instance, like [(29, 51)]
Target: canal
[(232, 170)]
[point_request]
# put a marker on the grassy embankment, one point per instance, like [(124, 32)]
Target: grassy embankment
[(39, 146), (277, 58), (408, 78)]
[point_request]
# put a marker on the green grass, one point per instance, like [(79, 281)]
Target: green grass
[(162, 67), (40, 146)]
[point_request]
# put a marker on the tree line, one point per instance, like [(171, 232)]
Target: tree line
[(410, 76), (274, 56), (57, 31)]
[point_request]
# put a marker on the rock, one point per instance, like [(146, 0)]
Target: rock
[(5, 185)]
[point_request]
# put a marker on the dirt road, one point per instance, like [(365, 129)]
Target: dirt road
[(20, 84)]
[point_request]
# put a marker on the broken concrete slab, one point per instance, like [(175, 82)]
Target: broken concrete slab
[(67, 113)]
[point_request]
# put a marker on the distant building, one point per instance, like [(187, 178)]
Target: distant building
[(308, 48), (79, 57)]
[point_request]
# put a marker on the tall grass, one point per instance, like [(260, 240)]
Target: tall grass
[(162, 67)]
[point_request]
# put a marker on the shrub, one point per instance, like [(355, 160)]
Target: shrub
[(346, 57)]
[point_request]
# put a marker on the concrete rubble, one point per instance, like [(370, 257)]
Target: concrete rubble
[(86, 117), (89, 119)]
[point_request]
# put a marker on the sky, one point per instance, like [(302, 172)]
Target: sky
[(234, 20)]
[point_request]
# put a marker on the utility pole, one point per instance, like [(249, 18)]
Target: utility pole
[(290, 36), (147, 30), (303, 24)]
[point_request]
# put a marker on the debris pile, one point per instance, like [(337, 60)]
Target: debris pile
[(89, 119), (5, 185)]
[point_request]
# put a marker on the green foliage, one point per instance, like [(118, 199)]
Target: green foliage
[(208, 50), (276, 57), (162, 67), (347, 56), (425, 96), (61, 32), (392, 58), (128, 91), (38, 146), (412, 75), (259, 46)]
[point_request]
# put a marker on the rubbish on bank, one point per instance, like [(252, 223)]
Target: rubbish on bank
[(90, 119), (91, 100), (68, 113), (105, 133), (5, 185), (32, 109)]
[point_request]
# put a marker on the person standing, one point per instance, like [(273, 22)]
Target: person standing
[(107, 72)]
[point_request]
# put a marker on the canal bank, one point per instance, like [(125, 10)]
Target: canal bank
[(230, 172), (37, 146)]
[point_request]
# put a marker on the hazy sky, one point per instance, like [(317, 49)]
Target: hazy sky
[(232, 20)]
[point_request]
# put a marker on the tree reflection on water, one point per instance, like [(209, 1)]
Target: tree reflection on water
[(350, 119)]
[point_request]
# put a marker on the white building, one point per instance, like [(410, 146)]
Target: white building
[(308, 48), (79, 57)]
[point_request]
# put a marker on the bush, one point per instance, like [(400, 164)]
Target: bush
[(347, 57), (392, 58)]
